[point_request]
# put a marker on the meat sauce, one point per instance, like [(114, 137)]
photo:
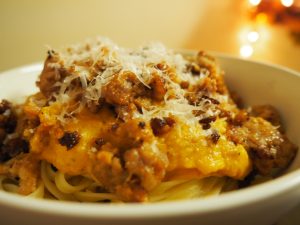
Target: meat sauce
[(129, 154)]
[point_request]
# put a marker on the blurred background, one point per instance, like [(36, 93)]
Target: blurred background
[(267, 30)]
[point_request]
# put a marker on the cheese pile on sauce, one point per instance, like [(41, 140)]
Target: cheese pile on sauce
[(132, 118)]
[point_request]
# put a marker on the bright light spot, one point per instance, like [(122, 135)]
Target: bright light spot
[(254, 2), (253, 36), (287, 3), (246, 51)]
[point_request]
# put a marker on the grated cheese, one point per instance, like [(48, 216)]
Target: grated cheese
[(96, 62)]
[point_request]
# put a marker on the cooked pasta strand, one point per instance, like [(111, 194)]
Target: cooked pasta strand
[(51, 187)]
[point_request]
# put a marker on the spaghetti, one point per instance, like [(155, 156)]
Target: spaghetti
[(55, 185)]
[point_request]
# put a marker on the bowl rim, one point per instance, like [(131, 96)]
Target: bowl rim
[(231, 200)]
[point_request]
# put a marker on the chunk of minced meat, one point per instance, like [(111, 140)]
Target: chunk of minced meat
[(10, 142), (123, 88), (268, 148), (50, 76), (214, 82), (158, 88), (13, 147), (26, 167), (268, 113), (8, 118)]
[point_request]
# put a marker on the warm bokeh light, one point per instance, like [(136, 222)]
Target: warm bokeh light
[(246, 51), (287, 3), (262, 18), (254, 2), (253, 36)]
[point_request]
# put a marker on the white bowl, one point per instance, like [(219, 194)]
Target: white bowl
[(257, 83)]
